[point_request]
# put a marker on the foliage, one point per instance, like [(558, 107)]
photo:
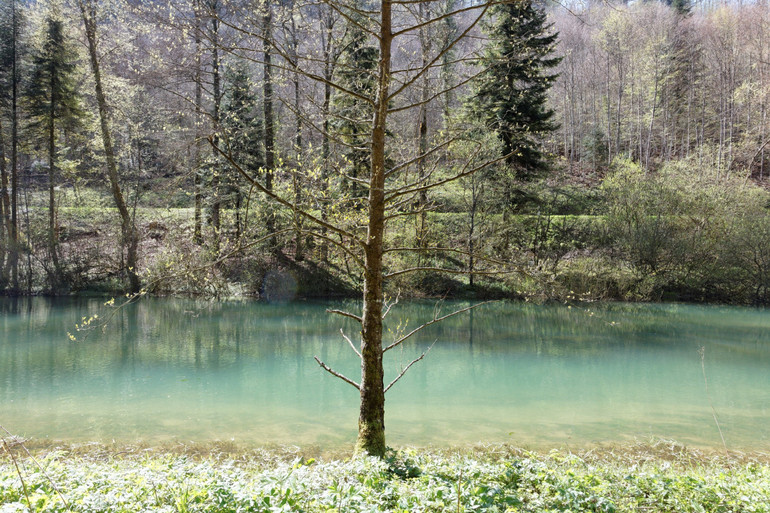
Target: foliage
[(688, 230), (432, 482), (511, 95), (52, 90)]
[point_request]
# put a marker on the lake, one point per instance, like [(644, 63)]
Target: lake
[(536, 376)]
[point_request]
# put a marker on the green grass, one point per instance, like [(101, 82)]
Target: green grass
[(656, 477)]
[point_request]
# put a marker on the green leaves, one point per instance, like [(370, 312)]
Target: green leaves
[(405, 481)]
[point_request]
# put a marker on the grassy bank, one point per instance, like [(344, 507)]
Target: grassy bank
[(649, 477)]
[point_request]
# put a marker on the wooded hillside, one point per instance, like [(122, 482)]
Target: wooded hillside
[(526, 149)]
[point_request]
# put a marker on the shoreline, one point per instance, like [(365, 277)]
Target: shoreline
[(630, 453)]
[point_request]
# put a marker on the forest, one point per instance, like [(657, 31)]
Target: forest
[(526, 149), (573, 157)]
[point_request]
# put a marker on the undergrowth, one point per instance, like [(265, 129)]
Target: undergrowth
[(406, 481)]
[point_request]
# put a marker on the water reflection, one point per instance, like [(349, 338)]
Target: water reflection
[(528, 374)]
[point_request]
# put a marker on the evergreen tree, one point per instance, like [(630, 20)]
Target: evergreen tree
[(511, 92), (239, 119), (12, 23), (357, 65), (53, 105), (241, 128), (682, 7)]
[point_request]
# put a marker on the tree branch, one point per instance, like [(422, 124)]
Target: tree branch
[(485, 6), (401, 374), (462, 174), (401, 340), (345, 314), (419, 157), (337, 374), (450, 271), (279, 199), (446, 49), (350, 342)]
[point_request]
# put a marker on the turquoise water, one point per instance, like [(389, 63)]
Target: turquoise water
[(536, 376)]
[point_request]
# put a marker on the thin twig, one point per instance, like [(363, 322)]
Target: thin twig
[(350, 342), (391, 304), (434, 321), (42, 469), (345, 314), (702, 353), (401, 374), (335, 373), (18, 472)]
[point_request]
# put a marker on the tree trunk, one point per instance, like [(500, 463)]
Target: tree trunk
[(267, 91), (371, 420), (14, 235), (296, 178), (56, 278), (129, 236), (422, 130), (5, 207), (327, 34), (216, 206), (198, 197)]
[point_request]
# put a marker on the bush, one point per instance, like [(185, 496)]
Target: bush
[(689, 233)]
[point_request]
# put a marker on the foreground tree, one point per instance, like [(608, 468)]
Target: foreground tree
[(391, 192)]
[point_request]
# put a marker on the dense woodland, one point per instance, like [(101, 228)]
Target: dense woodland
[(532, 149)]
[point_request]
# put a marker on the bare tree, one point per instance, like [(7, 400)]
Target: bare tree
[(392, 193)]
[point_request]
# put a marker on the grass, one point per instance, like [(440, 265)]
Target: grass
[(660, 476)]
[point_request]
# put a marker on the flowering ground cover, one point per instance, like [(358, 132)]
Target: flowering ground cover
[(648, 477)]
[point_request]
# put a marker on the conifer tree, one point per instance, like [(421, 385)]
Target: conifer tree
[(353, 124), (53, 104), (682, 7), (11, 27), (241, 128), (511, 91)]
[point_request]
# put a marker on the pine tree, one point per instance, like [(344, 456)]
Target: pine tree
[(682, 7), (53, 105), (241, 128), (511, 92), (12, 24), (353, 124)]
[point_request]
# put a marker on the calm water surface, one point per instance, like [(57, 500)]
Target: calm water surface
[(535, 376)]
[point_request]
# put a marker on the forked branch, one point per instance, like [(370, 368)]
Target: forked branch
[(435, 320)]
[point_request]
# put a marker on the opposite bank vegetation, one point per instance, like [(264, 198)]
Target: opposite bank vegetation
[(658, 476)]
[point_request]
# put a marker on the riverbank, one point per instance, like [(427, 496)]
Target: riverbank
[(681, 234), (658, 476)]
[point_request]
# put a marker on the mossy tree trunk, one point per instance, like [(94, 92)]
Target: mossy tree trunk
[(371, 420)]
